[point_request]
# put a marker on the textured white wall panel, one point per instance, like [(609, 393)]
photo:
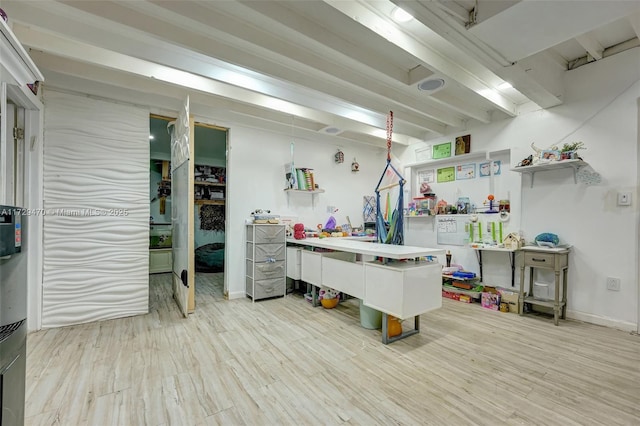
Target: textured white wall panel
[(96, 194)]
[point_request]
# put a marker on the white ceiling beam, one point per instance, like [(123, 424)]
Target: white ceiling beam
[(454, 9), (111, 60), (437, 20), (334, 45), (364, 14), (164, 99), (289, 57), (204, 108), (166, 27), (591, 45)]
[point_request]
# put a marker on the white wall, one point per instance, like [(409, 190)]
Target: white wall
[(96, 156), (256, 181), (420, 231), (600, 109)]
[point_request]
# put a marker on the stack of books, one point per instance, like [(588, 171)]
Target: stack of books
[(300, 178)]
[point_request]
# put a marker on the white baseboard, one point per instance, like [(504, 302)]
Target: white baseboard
[(237, 295), (607, 322)]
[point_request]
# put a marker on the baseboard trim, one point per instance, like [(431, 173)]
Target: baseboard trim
[(237, 295), (598, 320)]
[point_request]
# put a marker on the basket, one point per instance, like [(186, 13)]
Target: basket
[(329, 303)]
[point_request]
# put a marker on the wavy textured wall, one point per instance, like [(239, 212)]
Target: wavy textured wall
[(96, 192)]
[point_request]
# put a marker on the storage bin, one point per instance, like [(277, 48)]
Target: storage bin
[(370, 318), (543, 291)]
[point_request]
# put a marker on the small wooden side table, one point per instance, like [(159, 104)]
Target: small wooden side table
[(556, 259)]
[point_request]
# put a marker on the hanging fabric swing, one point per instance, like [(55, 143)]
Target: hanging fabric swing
[(391, 231)]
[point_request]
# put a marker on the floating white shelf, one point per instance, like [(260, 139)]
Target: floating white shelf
[(479, 155), (562, 164), (304, 191), (315, 191)]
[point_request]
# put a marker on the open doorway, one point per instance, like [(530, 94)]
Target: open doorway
[(210, 194)]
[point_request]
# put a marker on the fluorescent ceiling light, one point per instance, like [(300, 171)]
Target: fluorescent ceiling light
[(504, 86), (401, 15)]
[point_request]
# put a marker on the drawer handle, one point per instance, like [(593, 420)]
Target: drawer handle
[(538, 260), (270, 259)]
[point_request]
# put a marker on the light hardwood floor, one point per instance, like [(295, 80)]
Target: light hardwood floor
[(282, 361)]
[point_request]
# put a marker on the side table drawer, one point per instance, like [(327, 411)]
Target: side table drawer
[(539, 260)]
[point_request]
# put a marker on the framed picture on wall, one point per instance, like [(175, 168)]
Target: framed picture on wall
[(442, 150), (446, 174), (426, 176), (550, 155), (485, 168), (463, 144), (466, 171)]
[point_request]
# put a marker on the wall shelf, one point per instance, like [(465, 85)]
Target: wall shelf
[(562, 164), (315, 191), (208, 183), (304, 191), (215, 202), (483, 155)]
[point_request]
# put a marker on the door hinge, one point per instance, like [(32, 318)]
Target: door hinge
[(18, 133)]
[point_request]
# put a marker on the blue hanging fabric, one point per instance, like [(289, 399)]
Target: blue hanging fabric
[(391, 232)]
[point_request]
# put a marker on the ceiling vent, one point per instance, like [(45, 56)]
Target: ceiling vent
[(431, 85)]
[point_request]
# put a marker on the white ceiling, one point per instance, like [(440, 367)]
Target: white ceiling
[(311, 65)]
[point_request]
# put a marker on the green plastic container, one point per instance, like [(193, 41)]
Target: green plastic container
[(369, 317)]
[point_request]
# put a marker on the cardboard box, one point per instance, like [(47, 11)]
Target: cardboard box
[(511, 299), (466, 299), (456, 296), (450, 295), (490, 298)]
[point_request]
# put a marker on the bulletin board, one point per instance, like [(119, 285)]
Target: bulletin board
[(453, 229)]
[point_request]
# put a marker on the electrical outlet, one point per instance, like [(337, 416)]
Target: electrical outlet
[(624, 198), (613, 284)]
